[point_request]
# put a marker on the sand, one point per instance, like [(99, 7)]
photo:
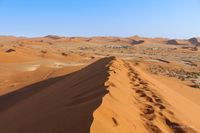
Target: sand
[(57, 84), (109, 95)]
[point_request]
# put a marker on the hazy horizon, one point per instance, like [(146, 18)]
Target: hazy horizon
[(98, 36)]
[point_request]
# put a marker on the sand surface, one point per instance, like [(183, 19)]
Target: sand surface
[(100, 85), (110, 95)]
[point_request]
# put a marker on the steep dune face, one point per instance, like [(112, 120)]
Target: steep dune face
[(108, 96), (64, 104)]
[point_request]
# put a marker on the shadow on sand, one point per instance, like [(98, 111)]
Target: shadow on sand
[(59, 105)]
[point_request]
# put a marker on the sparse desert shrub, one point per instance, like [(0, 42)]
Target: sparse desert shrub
[(181, 74), (92, 57), (64, 54), (10, 50), (43, 51)]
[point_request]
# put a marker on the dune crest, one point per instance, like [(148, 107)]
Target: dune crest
[(106, 96), (56, 105), (133, 106)]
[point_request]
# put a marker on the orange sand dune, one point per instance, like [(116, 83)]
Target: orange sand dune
[(50, 39), (56, 105), (108, 96)]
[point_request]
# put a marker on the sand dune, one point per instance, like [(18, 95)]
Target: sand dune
[(48, 40), (110, 95), (133, 105), (178, 42), (195, 41), (56, 105)]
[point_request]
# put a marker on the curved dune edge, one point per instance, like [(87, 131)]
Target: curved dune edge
[(132, 105), (106, 96)]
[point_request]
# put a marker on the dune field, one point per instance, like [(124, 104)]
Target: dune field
[(56, 84)]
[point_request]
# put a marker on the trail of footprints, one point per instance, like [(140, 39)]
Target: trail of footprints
[(153, 107)]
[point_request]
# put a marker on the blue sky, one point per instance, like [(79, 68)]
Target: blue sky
[(149, 18)]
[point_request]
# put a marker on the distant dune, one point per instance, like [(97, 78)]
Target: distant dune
[(178, 42), (106, 39), (195, 41)]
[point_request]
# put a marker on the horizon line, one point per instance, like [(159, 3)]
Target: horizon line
[(92, 36)]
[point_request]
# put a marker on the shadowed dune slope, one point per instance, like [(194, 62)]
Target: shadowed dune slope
[(59, 105), (108, 96)]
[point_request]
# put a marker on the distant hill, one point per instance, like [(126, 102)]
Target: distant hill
[(108, 40), (195, 41)]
